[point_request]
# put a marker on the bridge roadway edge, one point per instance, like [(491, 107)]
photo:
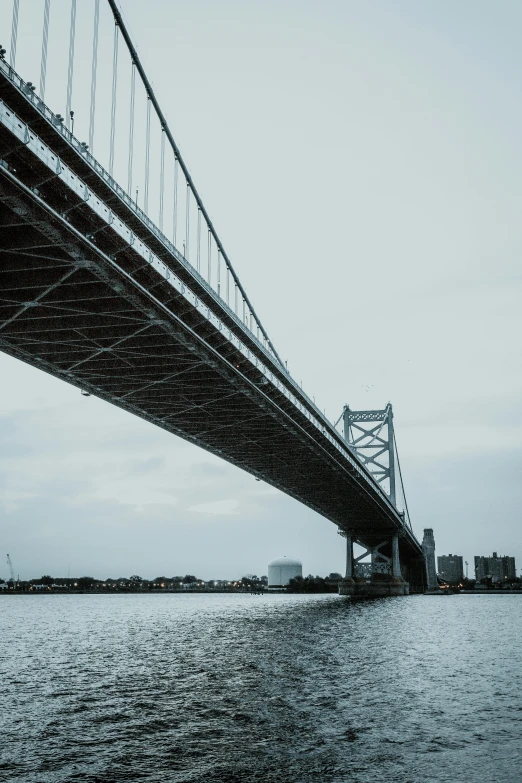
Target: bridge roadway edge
[(82, 383), (79, 165), (86, 385)]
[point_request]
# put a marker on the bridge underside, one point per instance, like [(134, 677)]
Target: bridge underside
[(77, 302)]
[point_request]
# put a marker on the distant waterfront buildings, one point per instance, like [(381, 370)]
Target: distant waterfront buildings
[(497, 567), (451, 568)]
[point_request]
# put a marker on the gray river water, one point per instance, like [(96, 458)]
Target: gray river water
[(280, 689)]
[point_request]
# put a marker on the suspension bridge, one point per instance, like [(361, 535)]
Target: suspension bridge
[(114, 279)]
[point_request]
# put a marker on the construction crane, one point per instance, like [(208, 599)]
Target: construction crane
[(11, 571)]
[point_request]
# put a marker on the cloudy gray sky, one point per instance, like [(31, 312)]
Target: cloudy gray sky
[(361, 163)]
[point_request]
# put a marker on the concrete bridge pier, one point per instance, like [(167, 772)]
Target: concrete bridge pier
[(385, 577), (348, 577)]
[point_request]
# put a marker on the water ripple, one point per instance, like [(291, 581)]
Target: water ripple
[(279, 689)]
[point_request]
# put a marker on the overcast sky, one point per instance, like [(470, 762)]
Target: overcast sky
[(361, 162)]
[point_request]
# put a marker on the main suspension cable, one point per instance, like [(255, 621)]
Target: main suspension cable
[(402, 482), (161, 117)]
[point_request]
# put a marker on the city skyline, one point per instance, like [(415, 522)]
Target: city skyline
[(440, 558)]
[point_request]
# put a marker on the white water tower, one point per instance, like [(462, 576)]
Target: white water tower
[(282, 569)]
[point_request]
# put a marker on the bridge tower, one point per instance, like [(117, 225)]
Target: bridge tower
[(428, 546), (370, 436)]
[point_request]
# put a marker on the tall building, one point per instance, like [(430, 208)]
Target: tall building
[(450, 568), (428, 546), (498, 568)]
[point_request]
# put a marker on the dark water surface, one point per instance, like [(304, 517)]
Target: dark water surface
[(279, 689)]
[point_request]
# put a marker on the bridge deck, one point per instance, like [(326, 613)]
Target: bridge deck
[(93, 295)]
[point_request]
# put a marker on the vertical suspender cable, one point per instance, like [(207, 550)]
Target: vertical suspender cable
[(93, 73), (209, 257), (147, 160), (199, 241), (228, 286), (45, 39), (235, 297), (187, 227), (71, 65), (162, 178), (175, 204), (14, 33), (114, 95), (131, 127), (219, 272)]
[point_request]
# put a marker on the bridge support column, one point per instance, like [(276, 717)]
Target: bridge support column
[(386, 576), (396, 565), (349, 558)]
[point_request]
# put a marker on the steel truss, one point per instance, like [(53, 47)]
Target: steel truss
[(117, 314), (370, 435)]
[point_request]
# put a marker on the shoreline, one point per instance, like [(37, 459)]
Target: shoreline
[(227, 592)]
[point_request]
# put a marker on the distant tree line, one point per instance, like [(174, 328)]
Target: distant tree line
[(190, 582), (136, 583), (315, 584)]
